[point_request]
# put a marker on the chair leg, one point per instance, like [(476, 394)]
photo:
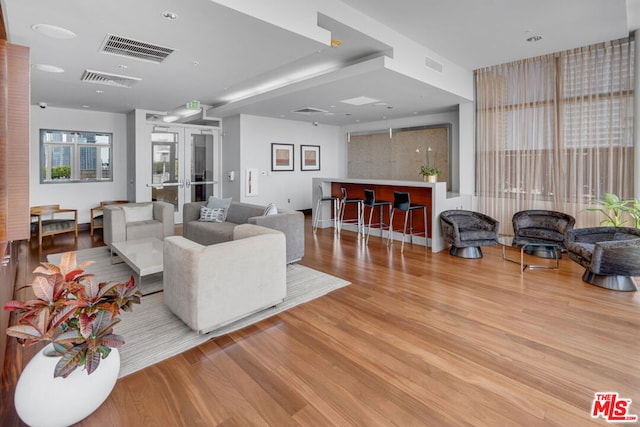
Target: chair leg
[(392, 211), (369, 227), (315, 220), (404, 231)]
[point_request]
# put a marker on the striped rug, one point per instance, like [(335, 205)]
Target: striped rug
[(152, 333)]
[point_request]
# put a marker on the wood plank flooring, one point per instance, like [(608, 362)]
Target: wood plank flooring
[(419, 339)]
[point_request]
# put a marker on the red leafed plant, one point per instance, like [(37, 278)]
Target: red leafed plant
[(74, 312)]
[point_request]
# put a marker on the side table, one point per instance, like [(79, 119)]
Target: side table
[(508, 241)]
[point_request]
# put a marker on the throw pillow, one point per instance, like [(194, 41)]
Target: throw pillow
[(216, 203), (211, 215), (138, 213), (270, 209)]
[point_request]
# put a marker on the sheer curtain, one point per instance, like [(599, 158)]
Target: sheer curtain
[(556, 132)]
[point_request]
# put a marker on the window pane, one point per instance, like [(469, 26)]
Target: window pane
[(75, 156)]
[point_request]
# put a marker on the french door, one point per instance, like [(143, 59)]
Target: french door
[(184, 165)]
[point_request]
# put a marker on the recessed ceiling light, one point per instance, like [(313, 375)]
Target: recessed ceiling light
[(534, 39), (47, 68), (360, 100), (122, 66), (170, 16), (85, 106), (54, 31), (99, 91)]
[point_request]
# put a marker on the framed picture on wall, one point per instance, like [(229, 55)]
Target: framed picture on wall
[(310, 157), (281, 157)]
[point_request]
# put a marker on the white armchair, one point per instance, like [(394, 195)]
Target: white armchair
[(133, 221), (211, 286)]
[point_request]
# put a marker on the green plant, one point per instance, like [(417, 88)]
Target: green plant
[(633, 209), (613, 209), (429, 171), (74, 312)]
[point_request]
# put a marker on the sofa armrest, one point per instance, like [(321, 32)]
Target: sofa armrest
[(163, 212), (115, 229), (191, 211), (291, 223), (617, 257)]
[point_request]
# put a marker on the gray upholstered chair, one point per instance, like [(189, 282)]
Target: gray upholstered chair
[(542, 226), (610, 255), (466, 231), (133, 221), (211, 286)]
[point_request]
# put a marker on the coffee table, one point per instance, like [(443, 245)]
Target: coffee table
[(144, 256), (508, 242)]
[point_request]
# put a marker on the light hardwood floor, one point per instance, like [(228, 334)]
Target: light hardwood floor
[(417, 339)]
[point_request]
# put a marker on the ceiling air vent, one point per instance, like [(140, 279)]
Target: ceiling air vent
[(101, 78), (309, 110), (122, 46)]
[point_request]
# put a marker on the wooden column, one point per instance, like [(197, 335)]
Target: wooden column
[(14, 169)]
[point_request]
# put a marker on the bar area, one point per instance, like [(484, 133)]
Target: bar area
[(432, 195)]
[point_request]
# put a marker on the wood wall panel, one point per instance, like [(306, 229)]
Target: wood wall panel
[(14, 142), (18, 98)]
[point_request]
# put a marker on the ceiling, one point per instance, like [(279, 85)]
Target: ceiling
[(220, 53)]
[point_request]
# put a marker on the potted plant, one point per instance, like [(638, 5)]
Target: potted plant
[(429, 173), (76, 315)]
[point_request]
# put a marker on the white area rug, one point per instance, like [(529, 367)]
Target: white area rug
[(152, 333)]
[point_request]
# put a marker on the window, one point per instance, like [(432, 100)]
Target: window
[(75, 156)]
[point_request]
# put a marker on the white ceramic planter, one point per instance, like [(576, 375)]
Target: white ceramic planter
[(42, 400)]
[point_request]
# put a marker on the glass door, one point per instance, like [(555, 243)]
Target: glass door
[(167, 168), (202, 156), (184, 165)]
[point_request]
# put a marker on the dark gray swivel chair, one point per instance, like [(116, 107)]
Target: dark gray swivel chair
[(542, 226), (610, 255), (467, 231)]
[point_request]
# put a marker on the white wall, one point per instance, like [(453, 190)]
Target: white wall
[(291, 190), (231, 140), (81, 196)]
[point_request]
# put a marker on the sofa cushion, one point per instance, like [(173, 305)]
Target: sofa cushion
[(215, 203), (138, 213), (211, 214), (142, 229), (210, 233)]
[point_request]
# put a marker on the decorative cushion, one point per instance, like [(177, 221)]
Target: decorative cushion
[(211, 214), (215, 203), (138, 213), (271, 209)]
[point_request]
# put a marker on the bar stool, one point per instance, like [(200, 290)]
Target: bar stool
[(335, 204), (371, 203), (343, 203), (402, 202)]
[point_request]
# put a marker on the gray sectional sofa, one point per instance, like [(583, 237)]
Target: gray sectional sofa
[(291, 223)]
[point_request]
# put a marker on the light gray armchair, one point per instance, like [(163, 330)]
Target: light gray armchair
[(610, 255), (210, 286), (466, 231), (133, 221)]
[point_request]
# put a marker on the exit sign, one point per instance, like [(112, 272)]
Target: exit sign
[(193, 105)]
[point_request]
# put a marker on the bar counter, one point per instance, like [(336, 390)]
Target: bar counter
[(433, 195)]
